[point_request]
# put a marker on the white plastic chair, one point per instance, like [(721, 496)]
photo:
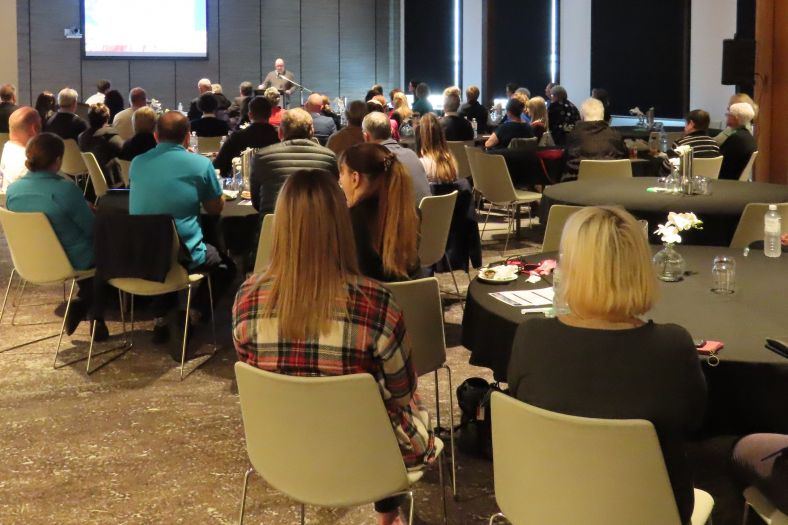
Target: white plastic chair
[(755, 500), (4, 137), (323, 441), (556, 218), (264, 244), (746, 173), (209, 144), (420, 301), (125, 166), (457, 149), (605, 169), (750, 227), (555, 468), (707, 167), (73, 164), (96, 175), (436, 214)]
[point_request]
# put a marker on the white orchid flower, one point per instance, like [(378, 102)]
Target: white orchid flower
[(669, 233)]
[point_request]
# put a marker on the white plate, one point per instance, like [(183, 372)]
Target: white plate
[(497, 279)]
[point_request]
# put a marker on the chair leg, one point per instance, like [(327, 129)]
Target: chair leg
[(508, 229), (443, 489), (451, 434), (20, 291), (243, 495), (186, 328), (303, 514), (213, 316), (63, 325), (14, 303), (495, 517), (7, 289), (486, 218), (90, 348), (409, 495)]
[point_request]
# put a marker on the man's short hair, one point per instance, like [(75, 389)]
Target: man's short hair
[(356, 111), (246, 88), (173, 126), (98, 115), (67, 98), (743, 112), (422, 90), (259, 109), (451, 103), (511, 87), (296, 124), (592, 109), (207, 103), (472, 93), (42, 150), (103, 86), (377, 88), (515, 106), (377, 125), (700, 119), (559, 92), (204, 83), (7, 92), (143, 120), (137, 96)]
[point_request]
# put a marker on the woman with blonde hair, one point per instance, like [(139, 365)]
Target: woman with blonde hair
[(379, 194), (438, 162), (273, 96), (536, 109), (601, 359), (401, 106), (312, 314)]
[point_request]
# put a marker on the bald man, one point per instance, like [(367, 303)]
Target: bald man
[(324, 126), (122, 122), (280, 79), (23, 125)]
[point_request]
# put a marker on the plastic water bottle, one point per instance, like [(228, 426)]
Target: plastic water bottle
[(193, 141), (663, 143), (475, 127), (772, 229), (180, 107)]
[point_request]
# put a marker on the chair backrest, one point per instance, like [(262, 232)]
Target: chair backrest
[(73, 164), (746, 173), (555, 468), (472, 154), (35, 249), (124, 166), (264, 244), (709, 167), (605, 169), (763, 507), (209, 144), (556, 218), (494, 182), (420, 301), (528, 144), (321, 440), (4, 137), (436, 215), (96, 175), (457, 149), (750, 227)]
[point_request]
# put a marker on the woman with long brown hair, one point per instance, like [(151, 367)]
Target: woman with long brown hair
[(312, 314), (379, 194), (438, 162)]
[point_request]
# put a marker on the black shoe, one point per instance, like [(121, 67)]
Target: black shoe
[(102, 332), (76, 314), (161, 334)]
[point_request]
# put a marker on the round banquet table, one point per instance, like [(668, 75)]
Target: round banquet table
[(748, 390), (234, 230), (720, 210)]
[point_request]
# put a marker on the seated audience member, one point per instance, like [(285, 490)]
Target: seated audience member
[(696, 137), (45, 105), (592, 139), (513, 128), (114, 101), (401, 112), (377, 129), (273, 164), (102, 87), (203, 86), (273, 96), (421, 102), (382, 210), (352, 133), (43, 190), (144, 122), (723, 135), (454, 126), (239, 109), (524, 95), (312, 313), (209, 125), (563, 364), (473, 110), (326, 111), (122, 121), (24, 124), (7, 105), (536, 109), (258, 134), (323, 126), (603, 96), (761, 460), (222, 102), (740, 145), (438, 162), (391, 96), (376, 106), (169, 180), (563, 115), (66, 123), (102, 140)]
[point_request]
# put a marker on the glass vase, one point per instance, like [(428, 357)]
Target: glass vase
[(669, 264)]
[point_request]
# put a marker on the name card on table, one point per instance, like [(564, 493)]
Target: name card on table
[(538, 298)]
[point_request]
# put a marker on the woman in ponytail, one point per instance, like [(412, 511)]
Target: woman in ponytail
[(385, 224)]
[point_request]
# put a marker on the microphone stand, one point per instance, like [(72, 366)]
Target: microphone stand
[(296, 84)]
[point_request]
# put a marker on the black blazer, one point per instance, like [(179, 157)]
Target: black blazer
[(736, 152), (6, 108), (457, 128), (474, 110), (66, 125), (254, 136), (137, 145), (210, 127)]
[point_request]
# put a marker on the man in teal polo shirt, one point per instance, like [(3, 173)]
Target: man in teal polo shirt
[(170, 180)]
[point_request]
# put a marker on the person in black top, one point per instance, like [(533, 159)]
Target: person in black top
[(473, 110), (7, 105), (513, 128), (454, 126), (258, 134), (592, 139), (203, 86), (562, 114), (601, 360), (738, 147), (144, 122), (45, 105), (103, 141), (239, 109), (114, 101), (208, 125), (66, 123)]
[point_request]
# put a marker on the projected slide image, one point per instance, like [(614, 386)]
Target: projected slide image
[(145, 28)]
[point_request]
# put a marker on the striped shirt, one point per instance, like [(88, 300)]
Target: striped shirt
[(369, 338), (703, 147)]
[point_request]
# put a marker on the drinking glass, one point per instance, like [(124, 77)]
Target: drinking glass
[(644, 225), (723, 275)]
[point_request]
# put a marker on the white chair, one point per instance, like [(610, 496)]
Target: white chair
[(457, 149), (755, 500), (323, 441), (209, 144), (746, 173), (436, 214), (125, 166), (420, 301), (750, 227), (73, 164), (556, 218), (555, 468), (264, 244), (605, 169), (492, 180), (96, 175), (708, 167)]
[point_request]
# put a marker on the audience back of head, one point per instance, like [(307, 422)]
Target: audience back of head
[(8, 93), (377, 126), (592, 110), (172, 127), (296, 124), (356, 111), (98, 116), (143, 120), (259, 109), (67, 99), (700, 119), (44, 151)]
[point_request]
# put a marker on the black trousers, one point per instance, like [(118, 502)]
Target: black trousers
[(387, 505), (92, 292)]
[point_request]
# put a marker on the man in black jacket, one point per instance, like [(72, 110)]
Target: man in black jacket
[(738, 147), (203, 86), (208, 125), (592, 139), (258, 134), (7, 105), (473, 110), (455, 127), (66, 123), (240, 107)]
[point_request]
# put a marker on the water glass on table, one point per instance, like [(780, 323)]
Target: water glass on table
[(723, 275)]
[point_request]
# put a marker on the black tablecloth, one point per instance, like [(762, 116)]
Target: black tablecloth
[(720, 211), (748, 391), (234, 230), (633, 132)]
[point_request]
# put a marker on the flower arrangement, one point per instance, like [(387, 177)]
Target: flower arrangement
[(676, 223)]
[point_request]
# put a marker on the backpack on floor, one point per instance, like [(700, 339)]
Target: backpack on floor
[(475, 431)]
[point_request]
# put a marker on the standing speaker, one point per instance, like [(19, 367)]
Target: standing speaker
[(738, 62)]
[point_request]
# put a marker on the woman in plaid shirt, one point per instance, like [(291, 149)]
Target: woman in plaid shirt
[(312, 314)]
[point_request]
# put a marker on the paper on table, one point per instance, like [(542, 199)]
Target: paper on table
[(245, 202), (526, 298)]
